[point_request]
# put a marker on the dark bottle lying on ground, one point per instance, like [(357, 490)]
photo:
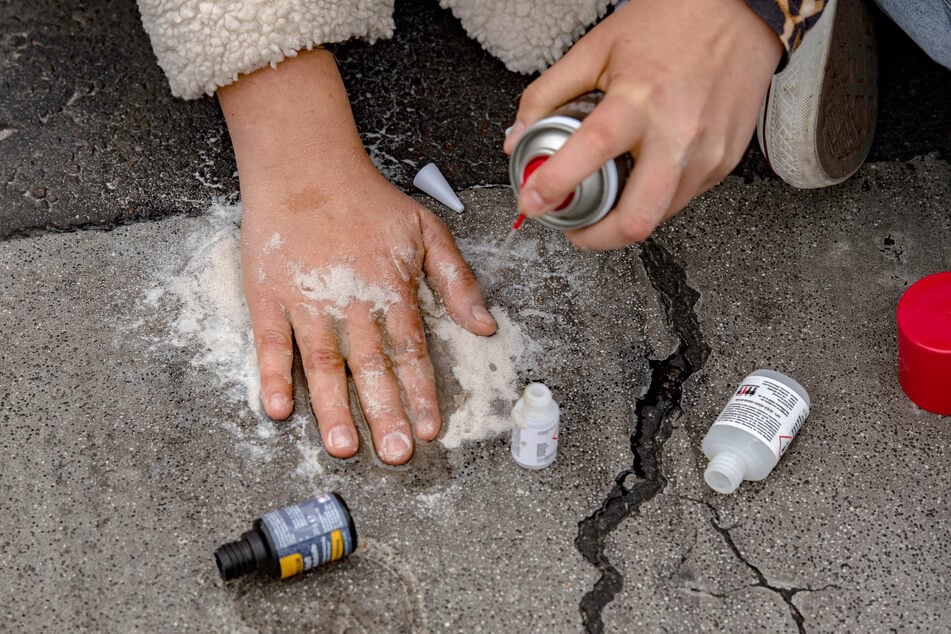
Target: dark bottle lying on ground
[(292, 540)]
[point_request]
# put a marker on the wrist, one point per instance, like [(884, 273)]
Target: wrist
[(786, 26), (290, 116)]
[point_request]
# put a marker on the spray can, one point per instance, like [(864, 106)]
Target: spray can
[(291, 540), (597, 194), (754, 430), (535, 432)]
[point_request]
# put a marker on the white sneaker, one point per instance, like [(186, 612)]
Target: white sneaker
[(818, 120)]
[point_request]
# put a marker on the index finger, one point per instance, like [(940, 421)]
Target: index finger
[(611, 129), (574, 74)]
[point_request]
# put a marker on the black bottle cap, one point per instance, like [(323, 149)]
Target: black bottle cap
[(241, 557)]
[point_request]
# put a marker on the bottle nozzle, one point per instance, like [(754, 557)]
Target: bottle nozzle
[(235, 559), (238, 558), (537, 395), (725, 472)]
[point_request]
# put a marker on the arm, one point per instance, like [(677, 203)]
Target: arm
[(331, 256)]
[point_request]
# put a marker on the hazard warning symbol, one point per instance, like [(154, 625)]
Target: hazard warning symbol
[(784, 443)]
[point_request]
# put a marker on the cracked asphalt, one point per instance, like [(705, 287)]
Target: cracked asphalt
[(131, 450)]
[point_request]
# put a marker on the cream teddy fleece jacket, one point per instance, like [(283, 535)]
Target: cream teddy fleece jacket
[(205, 44)]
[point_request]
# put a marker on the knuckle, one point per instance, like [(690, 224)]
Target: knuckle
[(600, 138), (369, 361), (688, 133), (321, 359), (272, 340), (534, 94), (719, 159), (410, 350), (635, 229), (530, 95), (639, 92)]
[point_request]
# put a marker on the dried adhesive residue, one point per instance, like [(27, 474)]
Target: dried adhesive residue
[(212, 314), (276, 241), (339, 285), (485, 368)]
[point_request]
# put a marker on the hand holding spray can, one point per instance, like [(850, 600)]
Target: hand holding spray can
[(597, 194)]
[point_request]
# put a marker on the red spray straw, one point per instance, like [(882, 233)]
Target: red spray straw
[(530, 168)]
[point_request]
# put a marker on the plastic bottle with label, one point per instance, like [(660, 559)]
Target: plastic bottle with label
[(291, 540), (754, 429), (535, 433)]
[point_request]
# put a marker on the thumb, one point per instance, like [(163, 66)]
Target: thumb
[(452, 278)]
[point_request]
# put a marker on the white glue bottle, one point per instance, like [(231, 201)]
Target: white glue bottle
[(535, 433), (754, 429)]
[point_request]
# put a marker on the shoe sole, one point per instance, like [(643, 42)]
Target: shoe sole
[(816, 128)]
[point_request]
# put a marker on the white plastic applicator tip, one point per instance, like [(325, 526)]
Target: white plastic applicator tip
[(430, 180)]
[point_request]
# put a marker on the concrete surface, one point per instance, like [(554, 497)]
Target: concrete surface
[(130, 451)]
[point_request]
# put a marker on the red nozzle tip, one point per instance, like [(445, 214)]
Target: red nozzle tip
[(518, 221)]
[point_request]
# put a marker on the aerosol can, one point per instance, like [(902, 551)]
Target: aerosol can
[(597, 194)]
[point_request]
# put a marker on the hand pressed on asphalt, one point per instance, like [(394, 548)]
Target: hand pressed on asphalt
[(332, 255), (683, 83)]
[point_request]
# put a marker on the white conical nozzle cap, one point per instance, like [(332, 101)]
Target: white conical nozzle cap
[(431, 181)]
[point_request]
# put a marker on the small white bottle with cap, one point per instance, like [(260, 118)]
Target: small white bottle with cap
[(535, 433), (754, 429)]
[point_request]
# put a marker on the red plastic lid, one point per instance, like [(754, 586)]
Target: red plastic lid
[(924, 343), (533, 165)]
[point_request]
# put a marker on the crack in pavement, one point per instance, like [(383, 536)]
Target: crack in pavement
[(651, 428), (761, 581)]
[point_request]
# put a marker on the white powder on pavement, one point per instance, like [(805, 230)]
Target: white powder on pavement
[(485, 368), (212, 315), (486, 371)]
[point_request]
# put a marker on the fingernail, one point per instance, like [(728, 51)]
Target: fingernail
[(340, 438), (427, 427), (395, 447), (278, 403), (530, 202), (482, 315), (515, 130)]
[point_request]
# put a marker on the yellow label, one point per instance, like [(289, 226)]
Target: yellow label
[(291, 565), (336, 545)]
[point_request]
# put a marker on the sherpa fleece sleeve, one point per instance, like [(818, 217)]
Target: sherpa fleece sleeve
[(205, 44), (531, 35), (527, 35), (789, 19)]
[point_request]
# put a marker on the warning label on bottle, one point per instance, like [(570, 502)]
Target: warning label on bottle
[(309, 534), (767, 408), (534, 448)]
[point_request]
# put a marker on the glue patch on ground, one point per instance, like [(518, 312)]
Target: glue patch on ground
[(485, 368), (210, 315)]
